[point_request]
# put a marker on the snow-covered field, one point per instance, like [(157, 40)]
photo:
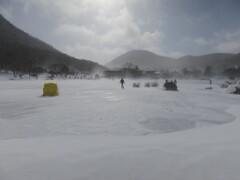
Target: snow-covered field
[(95, 130)]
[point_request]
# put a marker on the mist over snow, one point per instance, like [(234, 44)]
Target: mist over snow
[(95, 129)]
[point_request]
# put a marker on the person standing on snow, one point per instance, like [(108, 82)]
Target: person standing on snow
[(122, 82), (175, 81)]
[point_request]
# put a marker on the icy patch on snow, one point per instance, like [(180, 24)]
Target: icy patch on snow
[(103, 108), (179, 122), (166, 125)]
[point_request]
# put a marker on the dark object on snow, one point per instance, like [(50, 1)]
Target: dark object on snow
[(170, 86), (154, 84), (175, 81), (136, 85), (208, 88), (237, 90), (210, 82), (122, 82), (147, 84), (225, 84)]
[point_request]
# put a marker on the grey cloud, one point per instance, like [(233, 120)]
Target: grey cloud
[(100, 30)]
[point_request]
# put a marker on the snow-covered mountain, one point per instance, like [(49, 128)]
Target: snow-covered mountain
[(19, 49), (148, 60), (218, 61), (142, 58)]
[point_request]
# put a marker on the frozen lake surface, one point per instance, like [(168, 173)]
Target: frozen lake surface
[(100, 107), (95, 130)]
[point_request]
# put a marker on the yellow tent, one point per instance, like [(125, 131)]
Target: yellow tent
[(50, 89)]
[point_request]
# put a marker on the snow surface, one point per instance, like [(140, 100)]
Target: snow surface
[(95, 130)]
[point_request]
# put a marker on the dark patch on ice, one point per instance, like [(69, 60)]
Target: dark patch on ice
[(165, 125), (168, 125), (208, 122)]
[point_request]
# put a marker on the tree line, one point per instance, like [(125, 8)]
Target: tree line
[(208, 72)]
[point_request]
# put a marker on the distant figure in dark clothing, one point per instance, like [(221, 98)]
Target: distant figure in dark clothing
[(237, 90), (210, 82), (122, 82), (175, 81)]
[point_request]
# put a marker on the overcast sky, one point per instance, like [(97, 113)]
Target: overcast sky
[(101, 30)]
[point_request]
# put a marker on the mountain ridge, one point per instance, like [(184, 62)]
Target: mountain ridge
[(154, 61), (136, 56), (19, 49)]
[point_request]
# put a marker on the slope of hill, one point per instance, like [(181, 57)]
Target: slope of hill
[(142, 58), (217, 61), (232, 61), (19, 49), (148, 60)]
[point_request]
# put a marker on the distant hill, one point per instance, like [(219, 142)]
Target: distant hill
[(142, 58), (232, 61), (217, 61), (148, 60), (19, 50)]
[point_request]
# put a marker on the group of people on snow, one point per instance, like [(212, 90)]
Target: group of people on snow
[(170, 85)]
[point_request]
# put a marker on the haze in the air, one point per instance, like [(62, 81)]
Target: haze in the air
[(101, 30)]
